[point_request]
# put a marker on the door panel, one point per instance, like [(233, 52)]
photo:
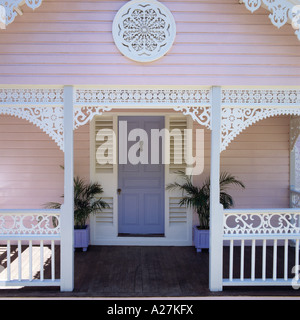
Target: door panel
[(141, 202)]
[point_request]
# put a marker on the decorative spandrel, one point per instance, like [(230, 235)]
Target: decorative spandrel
[(281, 12), (144, 30), (8, 8)]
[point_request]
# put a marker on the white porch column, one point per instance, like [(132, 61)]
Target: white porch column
[(293, 169), (216, 209), (67, 214)]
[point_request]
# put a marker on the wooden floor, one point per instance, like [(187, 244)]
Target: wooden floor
[(133, 271)]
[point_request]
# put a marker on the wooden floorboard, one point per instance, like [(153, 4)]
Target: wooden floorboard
[(136, 271)]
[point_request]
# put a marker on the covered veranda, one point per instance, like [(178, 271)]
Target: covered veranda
[(151, 272), (227, 112)]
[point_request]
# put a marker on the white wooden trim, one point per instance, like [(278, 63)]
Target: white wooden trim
[(67, 212), (109, 181), (216, 210)]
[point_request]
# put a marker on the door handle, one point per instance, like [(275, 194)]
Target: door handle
[(119, 191)]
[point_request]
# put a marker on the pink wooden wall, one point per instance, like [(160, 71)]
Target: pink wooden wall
[(30, 174), (218, 43), (259, 157)]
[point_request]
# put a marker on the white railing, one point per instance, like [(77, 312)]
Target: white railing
[(27, 247), (258, 241)]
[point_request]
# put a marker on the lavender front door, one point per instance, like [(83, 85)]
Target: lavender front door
[(141, 186)]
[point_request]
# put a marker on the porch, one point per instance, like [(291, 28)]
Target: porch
[(227, 113), (133, 271)]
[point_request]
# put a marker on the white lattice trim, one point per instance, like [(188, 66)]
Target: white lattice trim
[(235, 120), (262, 222), (241, 108), (48, 119), (282, 11), (27, 96), (139, 97), (260, 97)]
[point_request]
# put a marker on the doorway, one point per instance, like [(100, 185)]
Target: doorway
[(141, 184)]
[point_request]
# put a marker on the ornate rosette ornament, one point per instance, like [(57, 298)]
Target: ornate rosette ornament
[(144, 30)]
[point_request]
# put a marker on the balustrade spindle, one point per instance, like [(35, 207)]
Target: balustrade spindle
[(253, 261), (275, 260), (242, 260), (32, 250)]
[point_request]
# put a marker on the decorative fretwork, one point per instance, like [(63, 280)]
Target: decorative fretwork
[(28, 96), (282, 11), (260, 97), (240, 108), (199, 114), (10, 7), (144, 30), (49, 119), (261, 222), (129, 97), (85, 114), (235, 120), (29, 222)]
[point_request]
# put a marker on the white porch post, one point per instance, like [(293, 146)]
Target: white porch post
[(292, 169), (216, 209), (67, 214)]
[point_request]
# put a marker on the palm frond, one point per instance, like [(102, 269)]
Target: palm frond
[(52, 205), (199, 197), (86, 201)]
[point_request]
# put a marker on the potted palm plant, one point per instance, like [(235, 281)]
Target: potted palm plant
[(85, 204), (199, 199)]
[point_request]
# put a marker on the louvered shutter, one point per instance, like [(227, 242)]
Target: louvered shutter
[(105, 124)]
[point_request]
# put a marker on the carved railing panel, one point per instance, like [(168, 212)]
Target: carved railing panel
[(262, 222), (29, 222)]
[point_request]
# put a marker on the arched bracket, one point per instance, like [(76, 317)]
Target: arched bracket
[(83, 115), (235, 120), (48, 119), (282, 12), (198, 114)]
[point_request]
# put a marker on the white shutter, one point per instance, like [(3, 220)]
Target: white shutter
[(177, 213), (104, 123), (177, 161), (105, 216)]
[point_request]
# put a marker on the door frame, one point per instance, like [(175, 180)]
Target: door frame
[(110, 236)]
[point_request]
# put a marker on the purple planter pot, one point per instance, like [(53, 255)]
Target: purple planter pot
[(201, 239), (82, 238)]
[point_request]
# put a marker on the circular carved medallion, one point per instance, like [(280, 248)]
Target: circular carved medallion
[(144, 30)]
